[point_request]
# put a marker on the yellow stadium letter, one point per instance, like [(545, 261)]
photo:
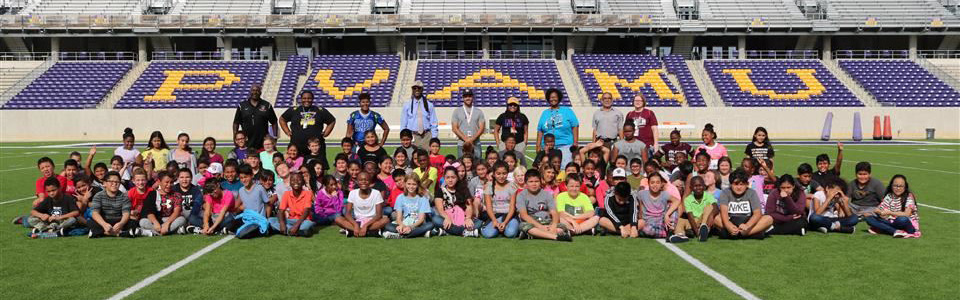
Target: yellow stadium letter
[(608, 84), (172, 83), (325, 81), (814, 87), (473, 80)]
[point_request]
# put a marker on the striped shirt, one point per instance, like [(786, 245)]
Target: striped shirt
[(111, 207)]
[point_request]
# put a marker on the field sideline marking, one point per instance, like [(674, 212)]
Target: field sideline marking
[(729, 284), (940, 208), (18, 200), (16, 169), (166, 271)]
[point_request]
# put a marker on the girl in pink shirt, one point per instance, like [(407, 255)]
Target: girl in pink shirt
[(716, 150)]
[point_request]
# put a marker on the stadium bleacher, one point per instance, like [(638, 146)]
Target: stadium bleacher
[(194, 84), (901, 82), (751, 12), (530, 7), (627, 74), (778, 83), (222, 7), (337, 80), (90, 7), (888, 12), (492, 81), (296, 66), (70, 85)]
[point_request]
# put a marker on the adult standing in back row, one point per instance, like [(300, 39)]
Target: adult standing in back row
[(307, 122), (646, 123), (607, 122), (511, 122), (254, 116), (561, 122), (469, 124), (420, 117)]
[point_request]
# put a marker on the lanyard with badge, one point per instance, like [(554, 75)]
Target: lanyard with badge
[(469, 116)]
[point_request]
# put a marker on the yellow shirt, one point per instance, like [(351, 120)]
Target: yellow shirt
[(159, 157), (561, 177)]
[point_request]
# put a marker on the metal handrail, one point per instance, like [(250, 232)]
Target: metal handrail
[(871, 54), (19, 56)]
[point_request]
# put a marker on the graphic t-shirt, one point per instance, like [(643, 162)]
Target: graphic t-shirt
[(716, 152), (451, 198), (537, 205), (365, 207), (476, 187), (671, 150), (307, 122), (500, 196), (410, 208), (363, 123), (574, 206), (741, 208), (643, 120), (512, 123), (161, 206), (560, 123), (759, 152), (57, 206)]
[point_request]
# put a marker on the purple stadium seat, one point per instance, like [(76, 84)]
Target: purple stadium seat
[(143, 91), (70, 85), (772, 75), (535, 73), (296, 67), (630, 67), (901, 82), (349, 75)]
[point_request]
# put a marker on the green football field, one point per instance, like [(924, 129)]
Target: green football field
[(330, 266)]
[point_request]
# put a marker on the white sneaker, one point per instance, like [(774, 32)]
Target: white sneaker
[(900, 234), (823, 229), (390, 235), (803, 231), (470, 233), (148, 233), (428, 234)]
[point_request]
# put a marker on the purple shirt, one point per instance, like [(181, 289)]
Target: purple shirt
[(328, 205)]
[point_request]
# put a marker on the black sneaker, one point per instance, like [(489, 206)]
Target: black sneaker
[(17, 220), (34, 231), (845, 229), (565, 236), (676, 239), (704, 233), (129, 233), (522, 235), (61, 232)]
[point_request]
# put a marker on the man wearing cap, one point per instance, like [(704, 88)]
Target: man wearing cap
[(253, 116), (468, 124), (420, 117)]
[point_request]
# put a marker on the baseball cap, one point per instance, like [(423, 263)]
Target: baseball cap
[(466, 92), (619, 172), (513, 100), (215, 168), (418, 84)]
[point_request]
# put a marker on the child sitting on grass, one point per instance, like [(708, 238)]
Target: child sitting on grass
[(410, 212), (218, 209), (111, 211), (538, 211), (453, 213), (700, 208), (293, 219), (787, 206), (56, 213), (620, 212), (740, 216), (363, 216), (831, 208), (660, 212), (575, 209), (162, 210), (897, 214)]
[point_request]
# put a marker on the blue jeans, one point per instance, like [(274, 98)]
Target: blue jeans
[(415, 232), (454, 229), (817, 221), (324, 221), (304, 227), (388, 211), (889, 227), (511, 230)]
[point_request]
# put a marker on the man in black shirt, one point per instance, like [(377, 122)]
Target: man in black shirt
[(307, 121), (253, 116)]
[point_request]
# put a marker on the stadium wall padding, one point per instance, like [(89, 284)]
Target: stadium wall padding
[(729, 122)]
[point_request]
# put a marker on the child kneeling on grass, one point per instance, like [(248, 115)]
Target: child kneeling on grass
[(410, 212), (897, 214), (453, 210), (111, 210), (831, 208), (538, 212), (740, 215), (700, 208), (162, 209), (660, 212), (620, 213), (294, 214), (363, 216), (56, 212), (576, 211)]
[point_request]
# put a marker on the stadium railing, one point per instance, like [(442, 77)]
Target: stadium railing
[(870, 54), (17, 56), (97, 56), (938, 53)]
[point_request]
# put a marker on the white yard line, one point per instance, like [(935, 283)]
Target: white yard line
[(17, 169), (726, 282), (166, 271), (18, 200), (940, 208)]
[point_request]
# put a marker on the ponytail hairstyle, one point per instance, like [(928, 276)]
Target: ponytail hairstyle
[(128, 133)]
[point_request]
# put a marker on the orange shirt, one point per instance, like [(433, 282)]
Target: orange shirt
[(295, 205)]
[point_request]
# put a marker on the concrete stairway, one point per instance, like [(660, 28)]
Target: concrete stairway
[(852, 85), (125, 83), (710, 95)]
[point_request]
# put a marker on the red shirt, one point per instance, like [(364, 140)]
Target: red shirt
[(394, 193), (437, 161), (41, 190), (137, 198), (643, 120)]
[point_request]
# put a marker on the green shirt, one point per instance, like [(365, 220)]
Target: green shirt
[(578, 206), (696, 207)]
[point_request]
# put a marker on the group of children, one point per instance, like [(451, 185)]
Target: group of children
[(609, 188)]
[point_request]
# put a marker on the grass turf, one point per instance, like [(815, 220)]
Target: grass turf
[(327, 265)]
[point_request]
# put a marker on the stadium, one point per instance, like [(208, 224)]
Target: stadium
[(874, 85)]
